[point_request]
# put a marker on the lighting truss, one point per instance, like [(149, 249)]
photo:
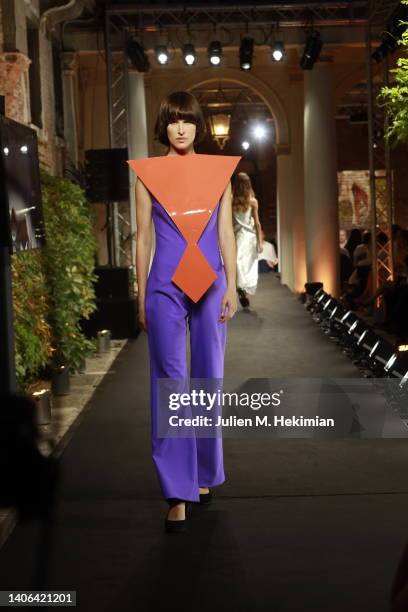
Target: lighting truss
[(381, 193), (288, 14)]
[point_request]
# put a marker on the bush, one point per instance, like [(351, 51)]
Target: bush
[(395, 97), (69, 258), (31, 301)]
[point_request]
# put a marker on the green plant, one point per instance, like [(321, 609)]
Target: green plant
[(31, 305), (69, 256), (395, 97)]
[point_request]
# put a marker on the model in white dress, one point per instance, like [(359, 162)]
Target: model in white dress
[(248, 235), (247, 252)]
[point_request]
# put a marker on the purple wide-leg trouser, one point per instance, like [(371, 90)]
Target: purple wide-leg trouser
[(184, 464)]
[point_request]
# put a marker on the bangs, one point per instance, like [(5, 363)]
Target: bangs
[(176, 113)]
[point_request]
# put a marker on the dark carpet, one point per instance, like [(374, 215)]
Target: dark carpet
[(299, 524)]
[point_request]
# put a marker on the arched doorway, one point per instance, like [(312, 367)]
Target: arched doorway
[(247, 111), (284, 197)]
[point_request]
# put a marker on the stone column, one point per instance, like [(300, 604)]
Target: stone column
[(137, 139), (69, 66), (320, 167), (284, 218), (297, 179)]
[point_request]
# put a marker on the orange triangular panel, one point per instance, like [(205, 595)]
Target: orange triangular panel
[(189, 188)]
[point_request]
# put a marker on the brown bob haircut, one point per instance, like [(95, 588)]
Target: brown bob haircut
[(179, 105)]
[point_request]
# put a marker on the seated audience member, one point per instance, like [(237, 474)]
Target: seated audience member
[(362, 252), (395, 296), (267, 258), (353, 240), (358, 286), (342, 238), (346, 268)]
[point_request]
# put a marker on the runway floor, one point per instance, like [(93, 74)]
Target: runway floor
[(299, 524)]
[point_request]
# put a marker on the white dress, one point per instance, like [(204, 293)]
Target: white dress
[(247, 254)]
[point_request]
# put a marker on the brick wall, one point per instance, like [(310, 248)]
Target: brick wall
[(14, 82)]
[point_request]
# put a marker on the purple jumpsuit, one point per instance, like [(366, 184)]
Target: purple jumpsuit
[(184, 464)]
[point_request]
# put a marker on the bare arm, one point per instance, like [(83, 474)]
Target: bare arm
[(143, 243), (254, 210), (228, 249), (227, 237)]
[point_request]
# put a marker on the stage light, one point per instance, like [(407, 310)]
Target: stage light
[(189, 54), (245, 145), (137, 55), (6, 151), (385, 354), (348, 315), (215, 52), (339, 313), (259, 131), (369, 341), (312, 50), (328, 302), (314, 289), (379, 54), (390, 362), (245, 53), (24, 149), (388, 45), (357, 328), (389, 39), (278, 51), (322, 295), (162, 55)]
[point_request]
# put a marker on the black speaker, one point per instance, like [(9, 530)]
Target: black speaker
[(107, 175), (118, 315), (113, 282)]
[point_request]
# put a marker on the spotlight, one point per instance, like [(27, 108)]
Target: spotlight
[(189, 54), (388, 45), (137, 55), (357, 328), (379, 54), (397, 366), (162, 55), (395, 28), (385, 355), (215, 52), (245, 145), (259, 132), (321, 296), (314, 289), (369, 341), (278, 51), (338, 313), (312, 50), (348, 319), (245, 53)]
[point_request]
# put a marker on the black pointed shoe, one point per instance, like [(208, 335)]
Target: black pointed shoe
[(206, 498), (178, 525)]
